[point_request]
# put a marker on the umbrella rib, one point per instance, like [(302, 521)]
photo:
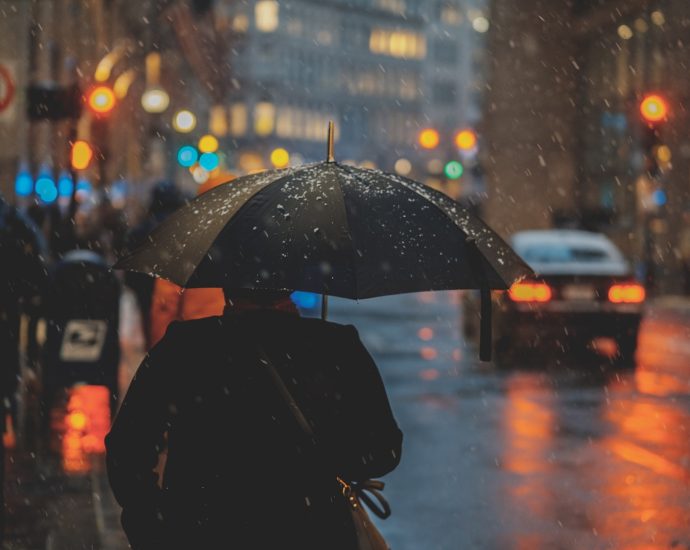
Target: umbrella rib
[(438, 207), (349, 233), (270, 185), (429, 200)]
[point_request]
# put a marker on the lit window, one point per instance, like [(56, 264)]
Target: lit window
[(238, 119), (240, 23), (405, 44), (266, 14), (264, 118)]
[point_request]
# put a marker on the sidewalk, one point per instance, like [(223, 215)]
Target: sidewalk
[(51, 508)]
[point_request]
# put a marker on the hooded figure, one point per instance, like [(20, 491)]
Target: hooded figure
[(240, 471)]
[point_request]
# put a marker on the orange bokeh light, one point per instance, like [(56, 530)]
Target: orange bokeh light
[(654, 108), (81, 155), (429, 138), (466, 140), (101, 100)]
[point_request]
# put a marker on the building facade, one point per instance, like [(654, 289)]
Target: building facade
[(566, 139)]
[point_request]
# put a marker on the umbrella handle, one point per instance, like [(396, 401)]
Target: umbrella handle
[(324, 306)]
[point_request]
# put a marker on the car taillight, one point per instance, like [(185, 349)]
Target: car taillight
[(530, 292), (629, 293)]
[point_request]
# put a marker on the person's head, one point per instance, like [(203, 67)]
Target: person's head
[(165, 199), (247, 298)]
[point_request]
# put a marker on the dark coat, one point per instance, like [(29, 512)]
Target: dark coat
[(240, 472)]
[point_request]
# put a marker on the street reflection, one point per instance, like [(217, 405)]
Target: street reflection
[(81, 426), (528, 432), (644, 479)]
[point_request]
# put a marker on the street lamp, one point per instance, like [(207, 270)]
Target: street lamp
[(101, 100), (184, 121), (155, 100)]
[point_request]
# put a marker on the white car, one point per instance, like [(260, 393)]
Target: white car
[(584, 294)]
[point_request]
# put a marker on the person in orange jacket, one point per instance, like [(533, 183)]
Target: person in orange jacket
[(173, 303)]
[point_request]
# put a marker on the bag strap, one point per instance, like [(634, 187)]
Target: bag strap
[(285, 393), (354, 491)]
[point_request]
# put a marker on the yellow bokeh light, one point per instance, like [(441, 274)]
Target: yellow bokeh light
[(429, 138), (466, 140), (208, 144), (280, 158)]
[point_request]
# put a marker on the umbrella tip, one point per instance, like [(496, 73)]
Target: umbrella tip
[(330, 155)]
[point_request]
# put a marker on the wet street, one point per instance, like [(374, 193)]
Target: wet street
[(530, 456), (533, 456)]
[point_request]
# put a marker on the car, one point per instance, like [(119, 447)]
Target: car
[(584, 296)]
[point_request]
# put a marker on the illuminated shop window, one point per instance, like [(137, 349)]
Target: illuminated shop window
[(264, 118), (267, 16), (238, 119)]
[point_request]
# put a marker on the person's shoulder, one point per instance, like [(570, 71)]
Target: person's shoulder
[(204, 328)]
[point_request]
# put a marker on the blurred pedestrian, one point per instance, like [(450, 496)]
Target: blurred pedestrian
[(241, 470), (171, 302), (22, 278), (165, 199)]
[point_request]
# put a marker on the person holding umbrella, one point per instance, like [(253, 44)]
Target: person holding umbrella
[(274, 432)]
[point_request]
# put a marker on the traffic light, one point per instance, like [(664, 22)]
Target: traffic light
[(466, 140), (429, 138), (654, 108), (654, 111), (101, 100), (81, 155), (453, 170)]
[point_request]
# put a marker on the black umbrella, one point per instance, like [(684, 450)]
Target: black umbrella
[(332, 229)]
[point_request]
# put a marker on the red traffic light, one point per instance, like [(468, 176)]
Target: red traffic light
[(101, 100), (654, 108)]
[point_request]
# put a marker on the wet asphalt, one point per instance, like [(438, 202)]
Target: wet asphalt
[(545, 453)]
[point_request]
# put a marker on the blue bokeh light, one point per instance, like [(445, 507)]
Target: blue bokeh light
[(23, 184), (304, 300), (65, 185), (659, 197), (209, 161), (187, 156)]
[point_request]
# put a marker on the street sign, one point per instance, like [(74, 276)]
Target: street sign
[(7, 87), (83, 340)]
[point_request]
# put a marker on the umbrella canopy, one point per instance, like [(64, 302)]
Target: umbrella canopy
[(332, 229), (327, 228)]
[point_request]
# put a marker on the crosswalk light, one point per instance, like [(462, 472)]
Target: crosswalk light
[(429, 138), (101, 100), (453, 170), (654, 108), (81, 155)]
